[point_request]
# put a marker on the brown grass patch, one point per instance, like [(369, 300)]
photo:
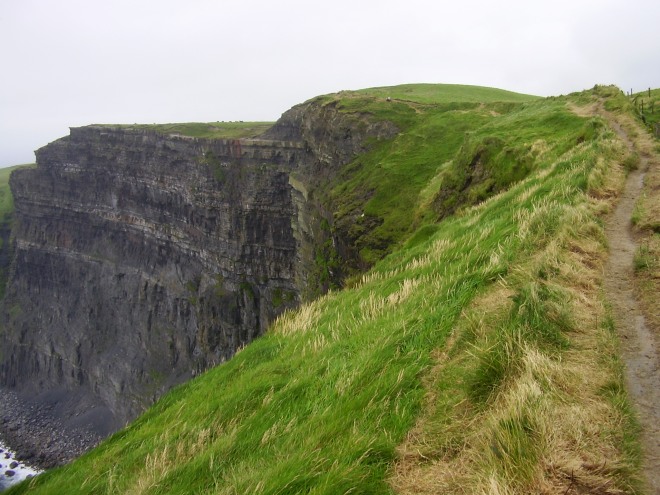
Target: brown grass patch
[(420, 457), (558, 399)]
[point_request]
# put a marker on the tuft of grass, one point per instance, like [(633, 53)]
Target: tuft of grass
[(540, 316), (631, 162), (643, 258)]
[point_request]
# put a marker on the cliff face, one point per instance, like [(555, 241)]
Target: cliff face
[(142, 259)]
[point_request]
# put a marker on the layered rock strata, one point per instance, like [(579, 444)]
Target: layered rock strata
[(142, 259)]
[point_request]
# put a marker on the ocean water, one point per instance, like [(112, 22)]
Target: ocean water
[(11, 470)]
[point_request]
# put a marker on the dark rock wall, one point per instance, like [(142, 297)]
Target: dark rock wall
[(141, 259)]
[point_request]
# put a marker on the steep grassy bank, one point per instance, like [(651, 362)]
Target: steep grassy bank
[(384, 195), (478, 357)]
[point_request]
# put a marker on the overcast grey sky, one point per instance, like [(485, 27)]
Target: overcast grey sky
[(75, 62)]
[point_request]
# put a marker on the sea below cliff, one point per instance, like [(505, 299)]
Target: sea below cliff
[(13, 471), (37, 435)]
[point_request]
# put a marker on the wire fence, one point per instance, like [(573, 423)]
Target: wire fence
[(644, 103)]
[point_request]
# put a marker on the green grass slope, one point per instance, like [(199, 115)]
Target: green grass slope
[(478, 357), (384, 195)]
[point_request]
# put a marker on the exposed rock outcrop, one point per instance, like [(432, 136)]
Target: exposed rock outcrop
[(142, 259)]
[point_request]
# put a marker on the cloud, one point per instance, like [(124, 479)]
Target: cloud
[(76, 62)]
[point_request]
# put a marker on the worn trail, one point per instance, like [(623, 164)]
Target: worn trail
[(639, 346)]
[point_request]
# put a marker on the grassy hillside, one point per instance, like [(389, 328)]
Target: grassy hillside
[(455, 138), (445, 93), (478, 357)]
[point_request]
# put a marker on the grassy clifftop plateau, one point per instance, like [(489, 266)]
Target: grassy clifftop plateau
[(478, 356), (213, 130)]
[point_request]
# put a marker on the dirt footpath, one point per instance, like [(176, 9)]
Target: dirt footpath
[(640, 347)]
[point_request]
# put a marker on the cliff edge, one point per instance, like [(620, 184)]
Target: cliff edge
[(142, 259)]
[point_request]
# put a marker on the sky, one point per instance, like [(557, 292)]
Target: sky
[(68, 63)]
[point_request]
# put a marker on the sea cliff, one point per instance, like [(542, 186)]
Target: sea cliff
[(141, 259)]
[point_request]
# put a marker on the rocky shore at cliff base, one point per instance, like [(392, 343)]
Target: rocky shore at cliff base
[(37, 435)]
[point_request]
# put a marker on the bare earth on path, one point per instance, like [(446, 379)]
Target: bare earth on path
[(640, 347)]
